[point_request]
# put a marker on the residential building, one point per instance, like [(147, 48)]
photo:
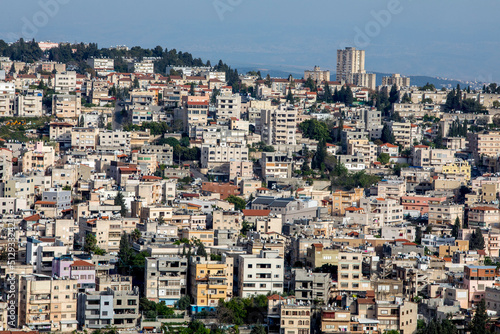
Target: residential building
[(484, 216), (166, 279), (210, 282), (67, 106), (47, 304), (30, 104), (109, 308), (40, 158), (311, 287), (65, 82), (260, 274), (445, 213), (349, 61), (476, 280), (396, 80), (317, 75), (278, 125), (228, 106)]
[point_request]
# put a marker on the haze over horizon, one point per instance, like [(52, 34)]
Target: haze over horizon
[(400, 36)]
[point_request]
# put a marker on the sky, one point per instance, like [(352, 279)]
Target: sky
[(448, 38)]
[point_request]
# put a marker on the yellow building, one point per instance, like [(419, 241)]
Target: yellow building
[(345, 199), (210, 282), (459, 167)]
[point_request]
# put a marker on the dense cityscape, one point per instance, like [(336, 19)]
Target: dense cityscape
[(149, 191)]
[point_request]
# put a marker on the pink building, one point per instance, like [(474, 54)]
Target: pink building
[(420, 203), (476, 280), (82, 271)]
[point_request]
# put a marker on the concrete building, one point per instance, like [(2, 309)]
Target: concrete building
[(164, 153), (67, 106), (445, 213), (47, 304), (21, 187), (260, 274), (276, 165), (228, 106), (40, 158), (61, 198), (397, 80), (295, 318), (317, 75), (485, 143), (166, 279), (349, 61), (278, 125), (405, 133), (65, 82), (213, 156), (368, 80), (210, 282), (484, 216), (114, 141), (476, 280), (344, 199), (226, 220), (102, 66), (195, 112), (311, 287), (30, 104), (391, 188), (109, 308), (84, 138)]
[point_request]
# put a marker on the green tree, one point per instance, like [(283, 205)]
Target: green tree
[(319, 157), (239, 203), (183, 303), (258, 329), (480, 320), (384, 158), (314, 129), (125, 256), (456, 228), (418, 235), (476, 241), (200, 249), (120, 200), (90, 243), (135, 235), (289, 96), (387, 135)]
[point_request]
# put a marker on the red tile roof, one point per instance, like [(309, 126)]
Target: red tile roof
[(256, 213), (80, 263), (33, 218)]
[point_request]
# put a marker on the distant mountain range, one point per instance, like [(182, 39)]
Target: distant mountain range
[(415, 80)]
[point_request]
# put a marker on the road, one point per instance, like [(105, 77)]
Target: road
[(197, 174)]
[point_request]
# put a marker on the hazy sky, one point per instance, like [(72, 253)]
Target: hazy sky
[(448, 38)]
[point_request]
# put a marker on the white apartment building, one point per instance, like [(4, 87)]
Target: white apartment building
[(145, 66), (405, 133), (114, 140), (278, 125), (30, 105), (349, 61), (216, 155), (227, 106), (260, 273), (65, 82), (102, 66)]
